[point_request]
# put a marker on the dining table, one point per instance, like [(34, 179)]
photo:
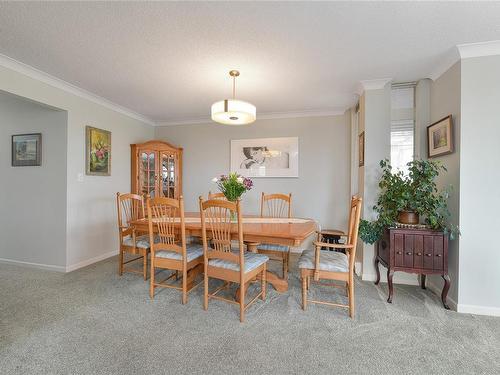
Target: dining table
[(256, 230)]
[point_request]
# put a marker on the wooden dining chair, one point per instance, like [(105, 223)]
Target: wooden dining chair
[(276, 206), (130, 208), (169, 251), (221, 262), (332, 265), (216, 196)]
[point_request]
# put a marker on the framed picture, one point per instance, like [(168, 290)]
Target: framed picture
[(97, 152), (440, 138), (361, 149), (27, 150), (265, 157)]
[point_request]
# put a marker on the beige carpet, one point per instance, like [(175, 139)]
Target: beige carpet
[(92, 321)]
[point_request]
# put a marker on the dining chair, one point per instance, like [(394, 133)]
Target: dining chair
[(216, 196), (276, 206), (130, 208), (169, 251), (221, 261), (332, 265)]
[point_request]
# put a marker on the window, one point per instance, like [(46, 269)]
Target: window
[(402, 125)]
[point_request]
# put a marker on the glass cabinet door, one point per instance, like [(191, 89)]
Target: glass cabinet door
[(168, 174), (147, 172)]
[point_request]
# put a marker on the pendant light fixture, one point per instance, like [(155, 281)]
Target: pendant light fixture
[(232, 111)]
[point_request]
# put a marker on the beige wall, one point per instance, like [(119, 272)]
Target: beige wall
[(91, 232), (479, 288), (33, 219), (445, 100), (322, 189)]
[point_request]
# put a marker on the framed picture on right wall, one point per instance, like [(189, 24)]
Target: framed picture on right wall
[(440, 138)]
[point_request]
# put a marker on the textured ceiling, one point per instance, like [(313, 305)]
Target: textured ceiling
[(169, 61)]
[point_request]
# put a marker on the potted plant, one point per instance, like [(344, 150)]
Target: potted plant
[(407, 198), (233, 185)]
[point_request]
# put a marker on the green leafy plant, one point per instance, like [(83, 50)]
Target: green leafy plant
[(417, 192)]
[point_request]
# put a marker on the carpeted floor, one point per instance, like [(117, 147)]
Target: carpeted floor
[(92, 321)]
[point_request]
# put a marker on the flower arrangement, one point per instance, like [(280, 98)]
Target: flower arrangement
[(233, 185)]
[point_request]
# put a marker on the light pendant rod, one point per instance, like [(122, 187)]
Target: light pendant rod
[(233, 111), (234, 74)]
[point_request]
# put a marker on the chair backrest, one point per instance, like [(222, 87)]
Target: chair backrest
[(130, 207), (167, 228), (276, 205), (217, 224), (216, 196), (352, 232)]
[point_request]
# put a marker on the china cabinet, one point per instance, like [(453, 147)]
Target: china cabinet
[(156, 169)]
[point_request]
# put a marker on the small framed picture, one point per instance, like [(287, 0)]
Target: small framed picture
[(440, 138), (361, 149), (27, 150), (98, 152)]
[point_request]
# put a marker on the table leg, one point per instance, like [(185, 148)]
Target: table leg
[(191, 275), (280, 284), (390, 273), (444, 293)]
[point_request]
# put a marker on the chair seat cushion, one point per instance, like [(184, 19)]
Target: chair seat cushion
[(140, 241), (252, 261), (328, 261), (193, 251), (272, 247)]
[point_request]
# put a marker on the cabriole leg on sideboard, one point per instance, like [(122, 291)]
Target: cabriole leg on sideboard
[(446, 288), (422, 281), (377, 271), (390, 273)]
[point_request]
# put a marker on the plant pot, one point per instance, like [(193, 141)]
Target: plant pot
[(408, 217)]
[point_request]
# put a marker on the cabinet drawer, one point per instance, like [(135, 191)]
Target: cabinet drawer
[(428, 252), (408, 250), (398, 250), (438, 253), (418, 251)]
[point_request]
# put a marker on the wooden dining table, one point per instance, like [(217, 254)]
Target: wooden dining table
[(256, 230)]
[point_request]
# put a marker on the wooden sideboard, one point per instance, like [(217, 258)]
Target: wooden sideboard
[(420, 251), (156, 169)]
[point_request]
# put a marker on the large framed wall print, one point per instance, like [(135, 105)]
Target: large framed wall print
[(265, 157)]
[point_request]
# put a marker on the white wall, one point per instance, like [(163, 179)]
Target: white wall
[(322, 189), (33, 215), (91, 212), (375, 121), (479, 289), (445, 100)]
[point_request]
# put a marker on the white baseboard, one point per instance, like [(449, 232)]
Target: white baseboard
[(436, 289), (478, 310), (41, 266), (90, 261), (358, 269)]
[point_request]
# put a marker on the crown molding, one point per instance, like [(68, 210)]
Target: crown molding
[(372, 84), (465, 51), (260, 116), (450, 58), (41, 76), (489, 48)]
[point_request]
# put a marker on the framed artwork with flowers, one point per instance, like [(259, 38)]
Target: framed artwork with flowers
[(97, 152)]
